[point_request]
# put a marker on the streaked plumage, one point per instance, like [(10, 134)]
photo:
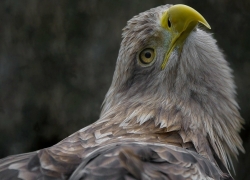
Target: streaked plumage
[(177, 120)]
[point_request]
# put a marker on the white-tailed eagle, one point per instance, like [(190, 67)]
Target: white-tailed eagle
[(170, 112)]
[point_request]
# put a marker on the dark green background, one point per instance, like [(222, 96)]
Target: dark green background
[(57, 59)]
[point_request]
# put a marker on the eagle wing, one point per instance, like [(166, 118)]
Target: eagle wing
[(127, 160), (146, 161)]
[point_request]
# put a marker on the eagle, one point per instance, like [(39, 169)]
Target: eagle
[(170, 112)]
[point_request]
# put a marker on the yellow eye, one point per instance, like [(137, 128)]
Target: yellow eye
[(147, 56)]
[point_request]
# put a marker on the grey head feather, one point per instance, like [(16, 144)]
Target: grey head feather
[(194, 94)]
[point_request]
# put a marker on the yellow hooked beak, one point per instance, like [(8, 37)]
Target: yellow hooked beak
[(180, 20)]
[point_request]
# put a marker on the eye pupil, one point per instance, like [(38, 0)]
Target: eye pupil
[(169, 23), (148, 55)]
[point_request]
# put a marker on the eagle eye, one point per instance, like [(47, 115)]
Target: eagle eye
[(147, 56)]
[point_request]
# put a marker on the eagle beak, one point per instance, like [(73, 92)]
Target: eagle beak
[(180, 20)]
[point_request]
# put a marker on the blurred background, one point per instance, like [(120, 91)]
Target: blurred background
[(57, 59)]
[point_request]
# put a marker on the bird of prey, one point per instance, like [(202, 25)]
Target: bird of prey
[(170, 112)]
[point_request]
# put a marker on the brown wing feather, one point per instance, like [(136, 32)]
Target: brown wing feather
[(38, 165), (146, 161), (112, 160), (12, 166)]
